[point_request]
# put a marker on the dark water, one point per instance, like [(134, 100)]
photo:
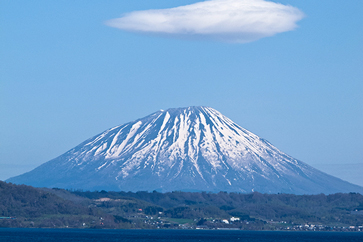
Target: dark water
[(60, 235)]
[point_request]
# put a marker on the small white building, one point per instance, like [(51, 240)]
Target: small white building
[(234, 219), (225, 221)]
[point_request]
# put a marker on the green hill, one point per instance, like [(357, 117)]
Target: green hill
[(25, 206)]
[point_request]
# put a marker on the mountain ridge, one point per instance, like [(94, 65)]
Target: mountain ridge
[(188, 149)]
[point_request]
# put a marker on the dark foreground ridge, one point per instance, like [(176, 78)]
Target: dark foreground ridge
[(25, 206)]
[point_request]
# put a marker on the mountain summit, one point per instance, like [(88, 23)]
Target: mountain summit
[(185, 149)]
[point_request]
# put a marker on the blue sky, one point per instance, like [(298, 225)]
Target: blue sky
[(65, 76)]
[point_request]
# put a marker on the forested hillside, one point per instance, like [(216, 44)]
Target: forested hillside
[(25, 206), (330, 210)]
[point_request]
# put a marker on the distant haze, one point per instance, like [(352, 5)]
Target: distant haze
[(348, 172)]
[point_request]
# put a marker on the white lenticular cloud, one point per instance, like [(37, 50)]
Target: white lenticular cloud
[(238, 21)]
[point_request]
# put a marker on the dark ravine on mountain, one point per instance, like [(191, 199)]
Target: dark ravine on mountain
[(182, 149)]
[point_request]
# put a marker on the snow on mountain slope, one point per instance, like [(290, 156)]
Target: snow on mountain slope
[(194, 148)]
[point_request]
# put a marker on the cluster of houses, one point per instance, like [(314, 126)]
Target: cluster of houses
[(159, 221), (313, 227)]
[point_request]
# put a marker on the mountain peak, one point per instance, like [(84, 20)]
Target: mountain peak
[(190, 109), (192, 148)]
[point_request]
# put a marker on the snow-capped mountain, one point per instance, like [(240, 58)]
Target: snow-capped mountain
[(185, 149)]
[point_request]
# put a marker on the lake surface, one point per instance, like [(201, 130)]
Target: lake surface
[(66, 235)]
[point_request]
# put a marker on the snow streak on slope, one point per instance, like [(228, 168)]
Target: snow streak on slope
[(194, 148), (160, 141)]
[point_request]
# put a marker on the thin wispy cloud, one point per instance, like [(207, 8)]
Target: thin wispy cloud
[(239, 21)]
